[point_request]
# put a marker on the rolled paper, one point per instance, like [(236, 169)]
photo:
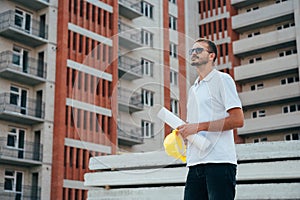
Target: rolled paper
[(172, 120)]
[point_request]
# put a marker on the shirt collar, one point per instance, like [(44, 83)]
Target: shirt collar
[(206, 78)]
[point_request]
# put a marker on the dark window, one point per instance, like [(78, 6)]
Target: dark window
[(87, 14), (264, 139), (80, 43), (295, 136), (78, 118), (292, 108), (74, 41), (290, 79)]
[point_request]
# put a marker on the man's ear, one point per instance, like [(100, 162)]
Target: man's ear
[(212, 56)]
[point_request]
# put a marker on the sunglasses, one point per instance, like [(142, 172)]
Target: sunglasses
[(198, 50)]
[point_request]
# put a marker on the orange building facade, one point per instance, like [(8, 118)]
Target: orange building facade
[(215, 24), (85, 101)]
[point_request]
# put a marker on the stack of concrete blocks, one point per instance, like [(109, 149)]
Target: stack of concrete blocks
[(268, 170)]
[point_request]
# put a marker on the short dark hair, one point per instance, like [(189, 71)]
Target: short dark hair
[(211, 46)]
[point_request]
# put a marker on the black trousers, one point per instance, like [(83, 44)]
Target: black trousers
[(213, 181)]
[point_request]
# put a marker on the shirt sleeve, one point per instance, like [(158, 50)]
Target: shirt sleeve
[(229, 93)]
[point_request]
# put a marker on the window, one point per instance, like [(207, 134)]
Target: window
[(18, 97), (292, 136), (259, 113), (147, 38), (289, 80), (173, 77), (280, 1), (16, 140), (257, 86), (286, 25), (172, 22), (252, 9), (175, 106), (147, 97), (13, 182), (23, 20), (291, 108), (254, 60), (172, 1), (253, 34), (288, 52), (256, 140), (147, 67), (147, 129), (21, 58), (173, 50), (147, 9)]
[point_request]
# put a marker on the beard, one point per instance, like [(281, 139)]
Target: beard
[(198, 62)]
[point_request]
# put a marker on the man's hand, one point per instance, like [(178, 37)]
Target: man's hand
[(188, 129), (234, 120)]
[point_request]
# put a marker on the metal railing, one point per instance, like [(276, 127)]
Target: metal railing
[(26, 192), (136, 6), (130, 32), (33, 107), (33, 66), (130, 131), (129, 64), (8, 19), (130, 97), (31, 150)]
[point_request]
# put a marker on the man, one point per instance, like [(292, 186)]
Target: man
[(213, 111)]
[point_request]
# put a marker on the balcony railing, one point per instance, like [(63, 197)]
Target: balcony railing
[(10, 109), (265, 42), (130, 9), (32, 33), (129, 134), (270, 95), (31, 70), (266, 68), (129, 37), (129, 100), (263, 17), (25, 192), (31, 151), (33, 4), (129, 68), (272, 123)]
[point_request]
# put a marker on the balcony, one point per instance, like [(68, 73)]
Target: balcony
[(24, 192), (31, 33), (33, 4), (243, 3), (30, 155), (263, 16), (129, 68), (129, 134), (129, 37), (270, 123), (30, 71), (266, 68), (129, 9), (11, 110), (271, 95), (129, 101), (265, 42)]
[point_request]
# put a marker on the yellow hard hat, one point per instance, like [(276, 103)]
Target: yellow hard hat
[(174, 146)]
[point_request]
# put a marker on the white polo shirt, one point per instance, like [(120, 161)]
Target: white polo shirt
[(209, 100)]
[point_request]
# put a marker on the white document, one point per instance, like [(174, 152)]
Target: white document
[(169, 118), (172, 120)]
